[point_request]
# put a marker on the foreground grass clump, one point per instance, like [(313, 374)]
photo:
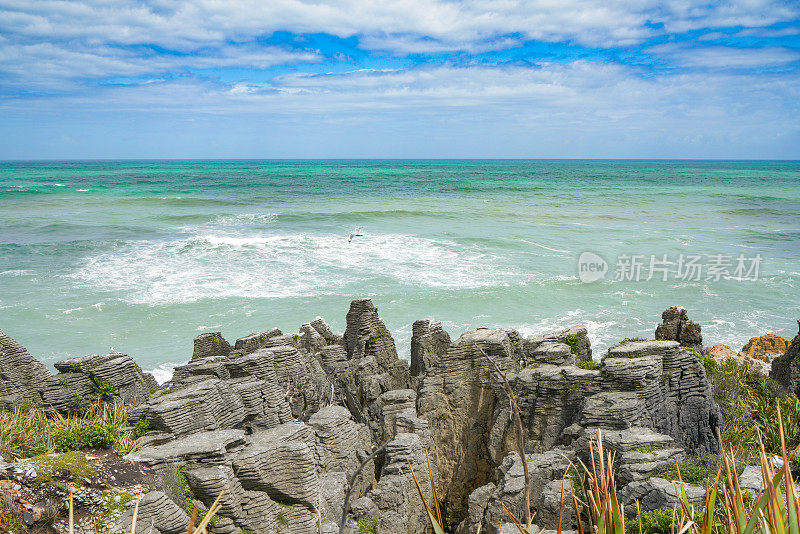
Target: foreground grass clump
[(31, 430)]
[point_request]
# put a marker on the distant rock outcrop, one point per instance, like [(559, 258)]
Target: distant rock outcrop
[(723, 353), (22, 377), (676, 326), (765, 348)]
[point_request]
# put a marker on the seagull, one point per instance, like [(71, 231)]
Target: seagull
[(356, 233), (112, 349)]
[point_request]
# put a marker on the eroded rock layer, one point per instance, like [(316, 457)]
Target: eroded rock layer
[(281, 424)]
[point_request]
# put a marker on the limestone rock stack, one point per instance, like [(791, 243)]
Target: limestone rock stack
[(22, 377), (429, 342), (676, 326)]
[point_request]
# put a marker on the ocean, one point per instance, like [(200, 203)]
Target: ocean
[(145, 255)]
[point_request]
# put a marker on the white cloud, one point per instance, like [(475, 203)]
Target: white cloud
[(55, 44), (392, 24), (582, 109), (722, 57), (55, 66)]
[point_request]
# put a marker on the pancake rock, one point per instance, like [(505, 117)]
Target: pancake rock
[(676, 326), (281, 423), (22, 377), (374, 367), (109, 377), (429, 342), (653, 385)]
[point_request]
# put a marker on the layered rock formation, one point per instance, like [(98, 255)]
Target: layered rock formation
[(81, 381), (642, 385), (786, 368), (22, 378), (676, 326), (283, 422)]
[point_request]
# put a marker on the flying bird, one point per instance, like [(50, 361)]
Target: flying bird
[(356, 233)]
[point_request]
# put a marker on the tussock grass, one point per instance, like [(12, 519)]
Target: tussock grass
[(32, 430)]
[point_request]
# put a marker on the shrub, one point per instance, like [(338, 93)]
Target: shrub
[(745, 397), (574, 343), (103, 389), (141, 427), (94, 436), (593, 366)]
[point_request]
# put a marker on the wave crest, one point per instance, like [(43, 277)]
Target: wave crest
[(286, 265)]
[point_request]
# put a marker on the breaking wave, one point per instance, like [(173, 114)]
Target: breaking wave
[(286, 265)]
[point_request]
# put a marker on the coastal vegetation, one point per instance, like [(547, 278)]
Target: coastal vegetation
[(30, 430)]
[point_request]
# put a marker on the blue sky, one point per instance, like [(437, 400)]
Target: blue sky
[(387, 78)]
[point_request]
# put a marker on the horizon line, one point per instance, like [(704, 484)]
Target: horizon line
[(111, 159)]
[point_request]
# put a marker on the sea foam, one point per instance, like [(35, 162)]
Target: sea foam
[(284, 265)]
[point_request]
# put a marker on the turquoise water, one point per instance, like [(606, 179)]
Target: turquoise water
[(144, 255)]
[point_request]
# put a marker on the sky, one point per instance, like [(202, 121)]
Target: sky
[(399, 79)]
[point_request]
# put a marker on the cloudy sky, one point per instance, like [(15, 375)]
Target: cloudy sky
[(400, 78)]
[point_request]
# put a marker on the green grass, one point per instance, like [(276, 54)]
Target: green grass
[(693, 471), (367, 525), (695, 352), (653, 522), (592, 366), (72, 464), (632, 340)]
